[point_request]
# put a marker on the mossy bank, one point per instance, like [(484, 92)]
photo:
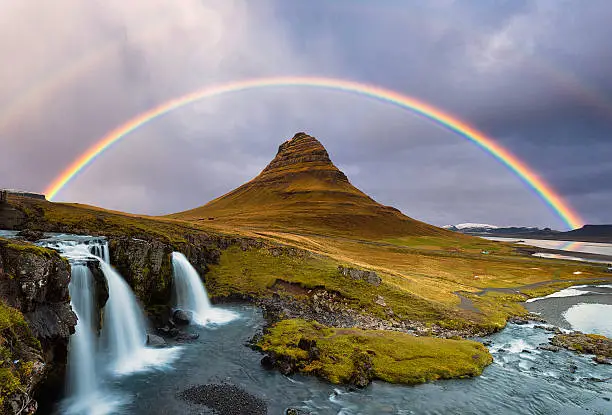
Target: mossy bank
[(36, 321)]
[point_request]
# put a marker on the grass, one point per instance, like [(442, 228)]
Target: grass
[(16, 348), (395, 357)]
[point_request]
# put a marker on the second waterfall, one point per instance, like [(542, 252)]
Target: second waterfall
[(190, 294)]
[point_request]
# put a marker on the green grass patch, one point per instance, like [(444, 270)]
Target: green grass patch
[(394, 357), (16, 347)]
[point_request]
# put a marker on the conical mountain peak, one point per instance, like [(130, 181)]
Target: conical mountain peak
[(302, 154), (301, 189)]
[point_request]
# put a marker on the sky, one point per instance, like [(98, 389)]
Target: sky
[(533, 75)]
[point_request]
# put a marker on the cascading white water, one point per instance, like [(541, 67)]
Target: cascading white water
[(82, 376), (123, 331), (124, 328), (190, 294)]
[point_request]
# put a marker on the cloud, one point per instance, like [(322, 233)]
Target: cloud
[(532, 74)]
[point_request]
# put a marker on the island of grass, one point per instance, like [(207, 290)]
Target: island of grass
[(356, 356)]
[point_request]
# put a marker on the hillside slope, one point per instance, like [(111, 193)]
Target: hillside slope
[(302, 190)]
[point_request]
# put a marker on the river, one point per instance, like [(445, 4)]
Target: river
[(522, 380)]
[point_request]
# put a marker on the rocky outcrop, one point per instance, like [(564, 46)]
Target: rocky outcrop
[(34, 283), (578, 342), (358, 274), (147, 265), (299, 153), (331, 309)]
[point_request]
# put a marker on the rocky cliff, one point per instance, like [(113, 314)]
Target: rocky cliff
[(36, 321)]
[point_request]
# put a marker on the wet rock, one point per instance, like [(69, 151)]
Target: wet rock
[(598, 380), (296, 411), (518, 320), (35, 282), (155, 341), (363, 371), (181, 317), (30, 235), (573, 368), (267, 362), (549, 348), (584, 343), (184, 337), (553, 329), (225, 399), (357, 274), (602, 360)]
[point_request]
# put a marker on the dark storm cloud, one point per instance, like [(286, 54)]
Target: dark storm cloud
[(532, 74)]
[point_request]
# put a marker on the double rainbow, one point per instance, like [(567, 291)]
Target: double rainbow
[(526, 174)]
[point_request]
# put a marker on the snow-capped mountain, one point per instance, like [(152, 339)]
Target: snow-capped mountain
[(463, 226), (486, 229)]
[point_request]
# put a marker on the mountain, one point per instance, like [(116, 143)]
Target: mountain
[(301, 189), (595, 233), (470, 227), (588, 233), (482, 228)]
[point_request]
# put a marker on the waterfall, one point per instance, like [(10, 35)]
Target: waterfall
[(190, 294), (82, 376), (124, 328), (120, 349)]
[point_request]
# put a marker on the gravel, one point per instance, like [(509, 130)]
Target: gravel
[(225, 399)]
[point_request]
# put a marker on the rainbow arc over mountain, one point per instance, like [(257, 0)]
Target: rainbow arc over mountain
[(558, 205)]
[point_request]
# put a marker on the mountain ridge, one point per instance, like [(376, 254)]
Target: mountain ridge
[(301, 189)]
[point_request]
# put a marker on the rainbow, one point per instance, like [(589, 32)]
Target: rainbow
[(526, 174)]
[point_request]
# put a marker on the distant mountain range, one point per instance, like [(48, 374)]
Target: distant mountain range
[(588, 233)]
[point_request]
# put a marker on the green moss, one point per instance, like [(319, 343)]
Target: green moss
[(28, 248), (395, 357), (16, 344)]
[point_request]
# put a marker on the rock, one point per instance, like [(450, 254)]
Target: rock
[(518, 320), (368, 276), (602, 360), (573, 368), (181, 317), (584, 343), (296, 411), (267, 362), (363, 371), (183, 337), (30, 235), (225, 399), (34, 281), (549, 348), (155, 341), (380, 300)]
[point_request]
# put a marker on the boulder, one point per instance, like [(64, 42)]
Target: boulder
[(181, 317), (30, 235), (155, 341), (357, 274)]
